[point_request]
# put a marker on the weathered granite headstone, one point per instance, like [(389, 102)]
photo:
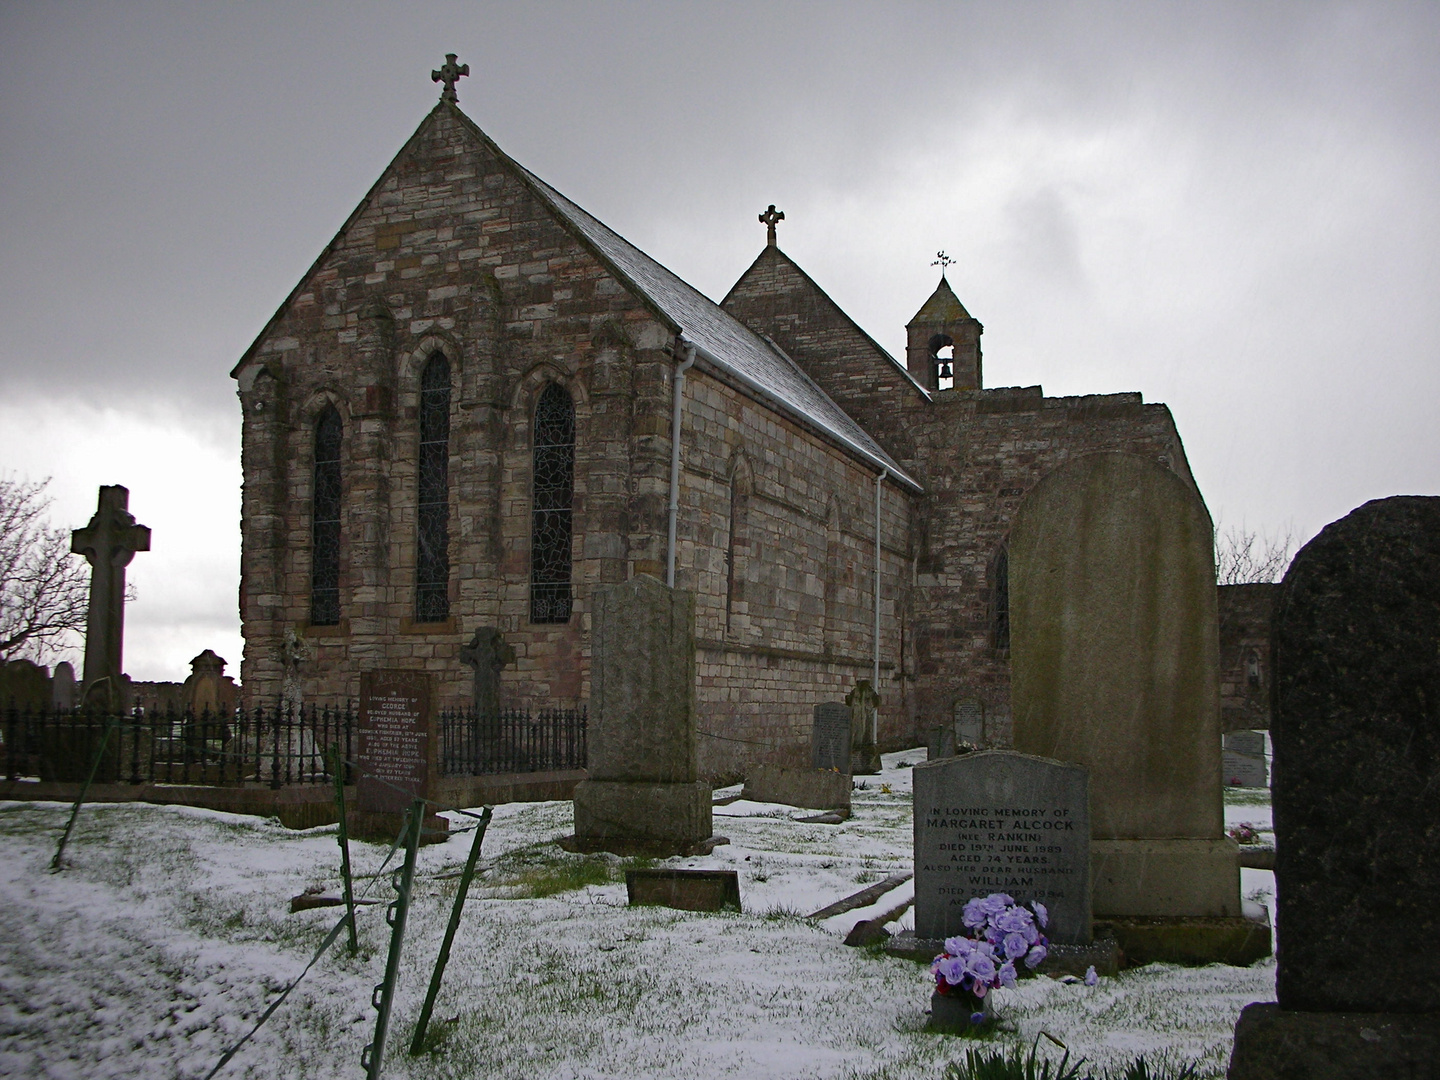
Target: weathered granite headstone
[(24, 685), (488, 653), (398, 748), (1243, 759), (642, 795), (108, 543), (1113, 654), (1356, 742), (830, 737), (940, 742), (814, 789), (864, 705), (969, 723), (62, 686), (998, 821)]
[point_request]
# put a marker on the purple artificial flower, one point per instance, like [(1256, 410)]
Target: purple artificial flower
[(982, 968), (995, 903), (980, 989), (1041, 912), (1015, 945), (950, 968), (974, 913), (959, 946), (1035, 955), (1090, 977), (1008, 977), (977, 1018), (1013, 920), (984, 948), (1030, 934)]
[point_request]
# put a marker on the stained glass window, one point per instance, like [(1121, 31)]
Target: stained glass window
[(432, 548), (552, 492), (325, 522)]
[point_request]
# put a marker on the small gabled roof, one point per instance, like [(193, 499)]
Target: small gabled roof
[(942, 307), (727, 343)]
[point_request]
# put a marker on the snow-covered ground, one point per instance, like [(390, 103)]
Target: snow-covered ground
[(169, 933)]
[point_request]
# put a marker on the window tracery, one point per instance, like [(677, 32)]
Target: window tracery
[(325, 521), (552, 492), (432, 547)]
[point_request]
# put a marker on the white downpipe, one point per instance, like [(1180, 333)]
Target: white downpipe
[(875, 675), (680, 370)]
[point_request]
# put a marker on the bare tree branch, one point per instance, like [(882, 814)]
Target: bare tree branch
[(44, 590), (1244, 557)]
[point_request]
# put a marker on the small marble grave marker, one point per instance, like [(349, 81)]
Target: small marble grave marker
[(1243, 759), (998, 821), (830, 737), (397, 744)]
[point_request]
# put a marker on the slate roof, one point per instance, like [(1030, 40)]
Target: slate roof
[(732, 346)]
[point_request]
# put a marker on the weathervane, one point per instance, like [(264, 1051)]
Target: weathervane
[(449, 74), (768, 219), (942, 261)]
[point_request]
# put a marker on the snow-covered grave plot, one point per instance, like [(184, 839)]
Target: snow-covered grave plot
[(170, 932)]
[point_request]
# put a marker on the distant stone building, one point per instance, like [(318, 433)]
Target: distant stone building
[(463, 418)]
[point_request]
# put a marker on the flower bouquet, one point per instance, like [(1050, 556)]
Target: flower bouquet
[(1002, 937)]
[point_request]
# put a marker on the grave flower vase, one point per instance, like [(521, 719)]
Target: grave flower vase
[(954, 1012)]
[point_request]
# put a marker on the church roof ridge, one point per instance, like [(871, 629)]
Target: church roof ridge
[(879, 349)]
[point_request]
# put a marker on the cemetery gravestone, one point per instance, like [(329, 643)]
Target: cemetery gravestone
[(62, 686), (1243, 759), (969, 723), (864, 705), (109, 542), (815, 789), (397, 750), (643, 795), (488, 653), (1356, 738), (1114, 650), (830, 737), (998, 821)]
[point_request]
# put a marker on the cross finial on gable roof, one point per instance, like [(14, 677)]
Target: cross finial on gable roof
[(449, 74), (768, 219), (942, 261)]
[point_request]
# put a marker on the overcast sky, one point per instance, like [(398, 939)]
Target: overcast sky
[(1231, 208)]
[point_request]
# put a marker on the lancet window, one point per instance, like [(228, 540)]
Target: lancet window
[(552, 492), (432, 545), (325, 521)]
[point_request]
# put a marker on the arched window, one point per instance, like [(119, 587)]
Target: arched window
[(553, 487), (432, 546), (1000, 599), (737, 545), (325, 522)]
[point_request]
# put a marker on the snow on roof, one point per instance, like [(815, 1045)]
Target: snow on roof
[(729, 343)]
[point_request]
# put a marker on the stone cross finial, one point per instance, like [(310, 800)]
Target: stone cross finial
[(768, 219), (942, 261), (487, 653), (108, 543), (449, 74)]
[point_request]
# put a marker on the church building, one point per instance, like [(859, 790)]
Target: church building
[(480, 403)]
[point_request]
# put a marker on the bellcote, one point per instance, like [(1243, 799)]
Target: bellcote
[(942, 347)]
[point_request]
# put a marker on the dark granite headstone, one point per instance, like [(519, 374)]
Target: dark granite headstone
[(397, 743), (687, 890), (830, 737), (1357, 762), (998, 821), (1356, 742)]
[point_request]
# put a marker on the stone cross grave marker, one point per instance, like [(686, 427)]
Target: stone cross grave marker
[(998, 821), (488, 654), (1356, 738), (830, 737), (108, 543), (397, 741), (864, 705)]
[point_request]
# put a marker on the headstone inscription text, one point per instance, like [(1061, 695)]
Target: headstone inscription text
[(396, 740), (998, 821), (830, 738)]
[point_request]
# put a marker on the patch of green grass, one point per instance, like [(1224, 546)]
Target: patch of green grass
[(1015, 1063), (540, 870), (1239, 796)]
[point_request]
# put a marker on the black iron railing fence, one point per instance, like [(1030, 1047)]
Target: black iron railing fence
[(277, 747), (511, 741)]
